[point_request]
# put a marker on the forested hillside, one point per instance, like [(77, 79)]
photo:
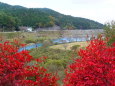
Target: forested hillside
[(15, 16)]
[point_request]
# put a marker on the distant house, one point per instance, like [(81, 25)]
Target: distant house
[(29, 29), (25, 29)]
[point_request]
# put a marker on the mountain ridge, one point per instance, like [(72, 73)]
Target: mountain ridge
[(45, 17)]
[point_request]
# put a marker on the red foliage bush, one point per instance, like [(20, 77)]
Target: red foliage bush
[(15, 71), (96, 67)]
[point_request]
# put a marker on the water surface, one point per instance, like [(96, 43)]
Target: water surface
[(55, 41)]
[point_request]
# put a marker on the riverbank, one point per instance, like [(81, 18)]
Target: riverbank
[(68, 46)]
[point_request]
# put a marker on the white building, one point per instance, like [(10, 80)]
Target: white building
[(29, 29), (26, 29)]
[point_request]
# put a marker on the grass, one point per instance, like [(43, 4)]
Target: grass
[(25, 37), (68, 46), (57, 59)]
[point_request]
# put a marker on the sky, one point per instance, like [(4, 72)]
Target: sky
[(99, 10)]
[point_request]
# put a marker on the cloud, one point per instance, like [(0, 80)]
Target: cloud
[(88, 1), (99, 10)]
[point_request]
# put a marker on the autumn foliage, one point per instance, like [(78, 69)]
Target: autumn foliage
[(16, 71), (96, 66)]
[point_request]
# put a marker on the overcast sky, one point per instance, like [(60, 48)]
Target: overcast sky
[(98, 10)]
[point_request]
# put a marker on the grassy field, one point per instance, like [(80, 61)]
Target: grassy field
[(68, 46), (59, 56), (25, 37), (57, 60)]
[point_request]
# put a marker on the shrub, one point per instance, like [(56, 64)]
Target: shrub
[(47, 43), (57, 60), (75, 47), (30, 41), (55, 65), (14, 69), (12, 35), (96, 67), (109, 31)]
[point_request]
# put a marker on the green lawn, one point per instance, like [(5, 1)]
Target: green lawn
[(68, 46)]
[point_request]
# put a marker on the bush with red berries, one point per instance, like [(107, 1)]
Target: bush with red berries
[(95, 67)]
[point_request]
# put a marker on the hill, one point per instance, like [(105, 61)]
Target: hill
[(14, 16)]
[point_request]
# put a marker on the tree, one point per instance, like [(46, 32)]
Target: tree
[(8, 22), (17, 24), (95, 67), (69, 27), (52, 21), (109, 31), (75, 48)]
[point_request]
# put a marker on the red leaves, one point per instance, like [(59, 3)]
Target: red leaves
[(113, 44), (41, 59), (95, 68), (14, 69)]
